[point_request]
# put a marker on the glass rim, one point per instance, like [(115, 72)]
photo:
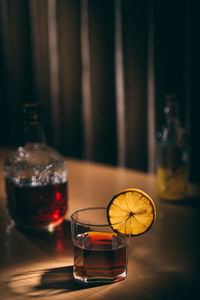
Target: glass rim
[(89, 224)]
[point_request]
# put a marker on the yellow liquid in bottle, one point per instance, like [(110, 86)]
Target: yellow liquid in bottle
[(171, 184), (171, 153)]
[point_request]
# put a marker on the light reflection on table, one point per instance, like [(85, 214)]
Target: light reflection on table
[(162, 263)]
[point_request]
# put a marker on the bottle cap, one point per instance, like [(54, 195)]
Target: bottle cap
[(31, 113), (172, 105), (171, 96)]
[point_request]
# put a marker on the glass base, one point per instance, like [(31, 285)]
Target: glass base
[(48, 228), (99, 280)]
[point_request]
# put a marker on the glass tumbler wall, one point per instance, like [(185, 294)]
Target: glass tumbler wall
[(100, 254)]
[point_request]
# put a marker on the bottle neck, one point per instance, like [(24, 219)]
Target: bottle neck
[(33, 134), (172, 113)]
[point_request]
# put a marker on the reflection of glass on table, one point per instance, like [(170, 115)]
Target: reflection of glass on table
[(100, 254)]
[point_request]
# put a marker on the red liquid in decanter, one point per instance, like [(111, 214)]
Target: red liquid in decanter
[(38, 206)]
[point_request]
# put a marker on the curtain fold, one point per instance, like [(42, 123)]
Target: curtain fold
[(99, 69)]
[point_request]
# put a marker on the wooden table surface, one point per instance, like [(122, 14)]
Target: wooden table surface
[(163, 263)]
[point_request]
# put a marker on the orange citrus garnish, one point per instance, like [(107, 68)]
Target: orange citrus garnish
[(133, 206)]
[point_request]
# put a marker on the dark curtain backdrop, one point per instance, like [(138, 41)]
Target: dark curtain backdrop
[(99, 70)]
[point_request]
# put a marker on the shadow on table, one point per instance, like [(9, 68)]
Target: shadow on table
[(190, 201), (46, 282)]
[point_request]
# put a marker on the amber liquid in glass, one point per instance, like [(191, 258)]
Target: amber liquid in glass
[(36, 206), (99, 255)]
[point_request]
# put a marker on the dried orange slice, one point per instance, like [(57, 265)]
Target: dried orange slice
[(133, 206)]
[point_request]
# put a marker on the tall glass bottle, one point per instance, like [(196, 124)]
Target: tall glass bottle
[(172, 153), (35, 178)]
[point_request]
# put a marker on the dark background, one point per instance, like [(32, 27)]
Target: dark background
[(24, 73)]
